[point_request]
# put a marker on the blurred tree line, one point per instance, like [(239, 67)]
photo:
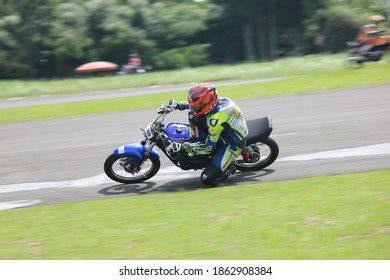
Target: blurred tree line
[(50, 38)]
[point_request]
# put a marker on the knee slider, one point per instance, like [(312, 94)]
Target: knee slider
[(210, 175), (206, 179)]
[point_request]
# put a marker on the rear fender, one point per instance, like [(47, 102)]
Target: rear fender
[(135, 150)]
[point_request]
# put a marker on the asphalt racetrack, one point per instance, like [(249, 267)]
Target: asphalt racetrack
[(323, 133)]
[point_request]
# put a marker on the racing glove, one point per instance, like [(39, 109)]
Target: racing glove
[(174, 105), (171, 105), (187, 147)]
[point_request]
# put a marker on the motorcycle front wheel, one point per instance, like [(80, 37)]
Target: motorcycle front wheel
[(264, 154), (124, 170)]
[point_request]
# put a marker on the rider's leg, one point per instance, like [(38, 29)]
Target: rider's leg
[(219, 169)]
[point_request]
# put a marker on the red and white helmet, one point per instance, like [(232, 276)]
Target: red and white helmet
[(202, 98)]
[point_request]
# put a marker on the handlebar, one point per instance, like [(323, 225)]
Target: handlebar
[(163, 109)]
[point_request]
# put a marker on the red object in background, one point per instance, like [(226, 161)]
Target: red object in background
[(136, 61), (96, 66)]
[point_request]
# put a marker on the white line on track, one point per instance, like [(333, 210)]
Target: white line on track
[(17, 204), (285, 134), (372, 150), (165, 174)]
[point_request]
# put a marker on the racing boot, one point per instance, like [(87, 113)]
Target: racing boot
[(230, 171)]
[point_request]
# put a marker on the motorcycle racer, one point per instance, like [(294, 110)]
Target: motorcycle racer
[(226, 131)]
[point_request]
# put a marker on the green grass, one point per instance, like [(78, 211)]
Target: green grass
[(284, 67), (312, 78), (335, 217), (291, 66)]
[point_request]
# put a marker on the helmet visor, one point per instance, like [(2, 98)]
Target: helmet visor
[(196, 109)]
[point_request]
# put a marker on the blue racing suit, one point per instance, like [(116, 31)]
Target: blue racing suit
[(227, 132)]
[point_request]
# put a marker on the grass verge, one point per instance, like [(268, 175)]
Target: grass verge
[(285, 67), (335, 217), (372, 74)]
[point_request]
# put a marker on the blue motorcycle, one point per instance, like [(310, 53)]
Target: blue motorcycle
[(136, 163)]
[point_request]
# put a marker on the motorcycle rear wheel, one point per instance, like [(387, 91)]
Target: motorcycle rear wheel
[(116, 172), (268, 151)]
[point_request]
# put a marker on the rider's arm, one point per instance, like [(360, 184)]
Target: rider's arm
[(174, 105), (182, 106)]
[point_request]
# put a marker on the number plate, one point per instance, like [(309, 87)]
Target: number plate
[(149, 132)]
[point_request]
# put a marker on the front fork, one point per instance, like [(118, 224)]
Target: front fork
[(148, 150)]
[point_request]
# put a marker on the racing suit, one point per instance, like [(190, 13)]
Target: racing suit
[(227, 132)]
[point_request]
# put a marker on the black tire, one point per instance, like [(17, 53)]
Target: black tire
[(272, 151), (111, 172)]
